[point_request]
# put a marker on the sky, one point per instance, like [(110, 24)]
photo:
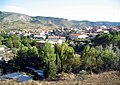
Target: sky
[(92, 10)]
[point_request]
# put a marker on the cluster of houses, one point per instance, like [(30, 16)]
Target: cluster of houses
[(59, 35)]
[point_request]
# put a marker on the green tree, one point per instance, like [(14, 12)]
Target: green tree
[(25, 42), (46, 52), (3, 33), (32, 52), (32, 58), (89, 56), (28, 56), (12, 41), (13, 37), (99, 61), (14, 50), (107, 39), (0, 43), (109, 57), (1, 38), (68, 57), (76, 63), (64, 54), (16, 43), (116, 39), (58, 52), (9, 43), (117, 62), (33, 43), (103, 39), (21, 58), (47, 36)]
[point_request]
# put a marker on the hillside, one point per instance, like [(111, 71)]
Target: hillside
[(10, 20), (106, 78)]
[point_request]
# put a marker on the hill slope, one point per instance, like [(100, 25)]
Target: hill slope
[(10, 20), (106, 78)]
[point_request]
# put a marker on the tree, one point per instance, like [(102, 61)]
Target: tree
[(33, 42), (0, 42), (89, 56), (9, 43), (33, 59), (47, 36), (117, 62), (107, 39), (12, 41), (21, 58), (28, 56), (102, 39), (14, 50), (76, 62), (109, 57), (3, 33), (68, 57), (58, 52), (1, 38), (13, 37), (116, 39), (64, 54), (32, 51), (16, 43), (25, 42), (46, 52)]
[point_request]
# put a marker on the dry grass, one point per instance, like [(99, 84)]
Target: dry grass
[(106, 78), (12, 82)]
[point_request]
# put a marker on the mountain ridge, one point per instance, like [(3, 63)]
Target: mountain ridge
[(11, 20)]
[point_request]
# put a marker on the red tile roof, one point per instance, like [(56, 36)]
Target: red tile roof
[(75, 34)]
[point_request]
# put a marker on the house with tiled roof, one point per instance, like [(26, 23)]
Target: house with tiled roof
[(78, 36)]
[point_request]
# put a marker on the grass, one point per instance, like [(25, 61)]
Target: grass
[(106, 78)]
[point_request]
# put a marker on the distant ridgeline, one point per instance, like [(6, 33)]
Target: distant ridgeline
[(11, 20)]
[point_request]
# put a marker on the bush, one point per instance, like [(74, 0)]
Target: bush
[(81, 76)]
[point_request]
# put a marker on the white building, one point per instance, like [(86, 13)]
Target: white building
[(78, 36), (39, 37), (42, 33), (40, 43), (99, 30)]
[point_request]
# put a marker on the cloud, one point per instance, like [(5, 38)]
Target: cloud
[(15, 8)]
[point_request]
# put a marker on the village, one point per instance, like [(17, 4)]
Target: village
[(60, 35), (53, 37)]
